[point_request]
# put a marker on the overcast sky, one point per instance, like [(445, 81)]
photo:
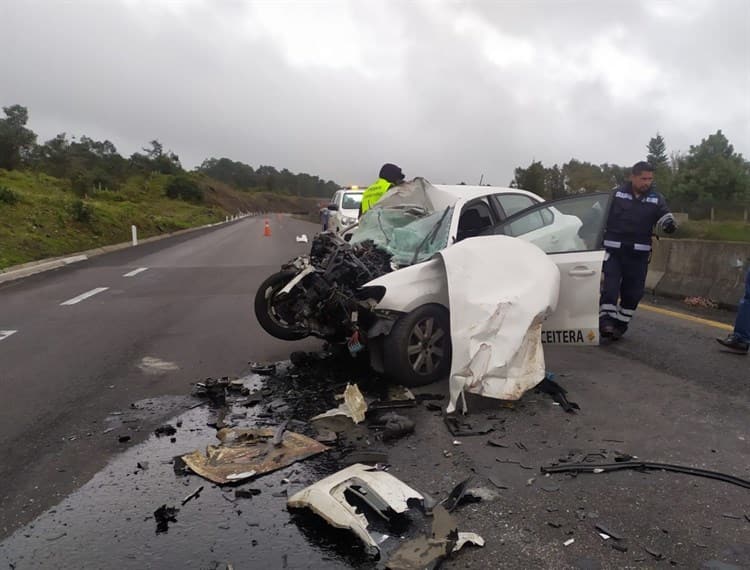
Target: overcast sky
[(448, 90)]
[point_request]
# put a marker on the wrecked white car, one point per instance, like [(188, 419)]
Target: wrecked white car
[(432, 272)]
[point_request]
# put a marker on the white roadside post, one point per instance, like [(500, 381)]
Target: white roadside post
[(134, 233)]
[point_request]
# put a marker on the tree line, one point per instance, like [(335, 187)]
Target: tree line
[(710, 172), (91, 164)]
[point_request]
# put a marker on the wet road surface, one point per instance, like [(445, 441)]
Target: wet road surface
[(186, 317), (664, 393)]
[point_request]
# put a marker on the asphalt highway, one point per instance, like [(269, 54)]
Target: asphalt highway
[(147, 322), (160, 317)]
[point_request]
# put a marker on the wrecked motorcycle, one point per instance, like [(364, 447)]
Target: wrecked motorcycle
[(322, 294)]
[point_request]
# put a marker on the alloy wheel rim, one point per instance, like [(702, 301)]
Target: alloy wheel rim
[(426, 348)]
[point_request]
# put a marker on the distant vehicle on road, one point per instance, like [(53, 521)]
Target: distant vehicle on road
[(344, 208)]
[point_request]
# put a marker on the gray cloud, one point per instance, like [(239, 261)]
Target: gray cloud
[(448, 90)]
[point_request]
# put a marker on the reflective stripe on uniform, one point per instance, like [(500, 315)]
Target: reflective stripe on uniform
[(610, 243), (623, 195), (641, 247)]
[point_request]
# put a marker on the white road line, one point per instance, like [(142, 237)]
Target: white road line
[(84, 296), (6, 334), (135, 272)]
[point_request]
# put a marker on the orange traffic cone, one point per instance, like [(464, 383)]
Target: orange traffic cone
[(267, 229)]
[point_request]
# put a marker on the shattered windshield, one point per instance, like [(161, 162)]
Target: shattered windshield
[(406, 231)]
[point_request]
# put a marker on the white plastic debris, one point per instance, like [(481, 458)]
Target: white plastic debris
[(569, 542), (598, 470), (327, 498), (354, 406), (468, 538), (302, 238)]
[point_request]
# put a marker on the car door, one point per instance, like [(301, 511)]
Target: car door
[(570, 230)]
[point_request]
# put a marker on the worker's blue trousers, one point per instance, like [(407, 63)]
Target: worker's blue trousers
[(624, 280)]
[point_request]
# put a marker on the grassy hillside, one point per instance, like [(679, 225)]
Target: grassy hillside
[(40, 216)]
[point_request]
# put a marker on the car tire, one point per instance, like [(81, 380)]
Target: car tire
[(270, 323), (418, 349)]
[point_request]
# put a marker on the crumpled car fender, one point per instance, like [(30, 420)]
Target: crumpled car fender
[(500, 289), (413, 286)]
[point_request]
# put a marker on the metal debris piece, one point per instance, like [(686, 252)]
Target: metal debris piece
[(278, 437), (455, 496), (246, 452), (326, 436), (645, 465), (328, 499), (263, 368), (460, 427), (400, 393), (558, 393), (165, 515), (194, 495), (166, 429), (601, 528)]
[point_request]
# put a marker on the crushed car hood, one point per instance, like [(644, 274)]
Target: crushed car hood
[(500, 289)]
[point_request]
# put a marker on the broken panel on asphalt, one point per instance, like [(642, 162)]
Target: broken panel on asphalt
[(337, 497), (245, 453)]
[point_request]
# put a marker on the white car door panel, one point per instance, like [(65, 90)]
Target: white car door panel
[(570, 231)]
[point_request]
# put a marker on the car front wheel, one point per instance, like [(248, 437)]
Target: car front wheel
[(418, 350)]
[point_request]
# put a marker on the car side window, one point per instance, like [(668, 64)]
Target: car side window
[(476, 216), (513, 203), (566, 225)]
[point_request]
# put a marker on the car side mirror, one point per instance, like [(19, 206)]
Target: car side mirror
[(333, 207)]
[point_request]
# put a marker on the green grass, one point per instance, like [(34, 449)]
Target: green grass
[(42, 222), (715, 231), (38, 216)]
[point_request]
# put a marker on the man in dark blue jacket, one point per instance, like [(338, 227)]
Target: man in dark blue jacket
[(636, 209)]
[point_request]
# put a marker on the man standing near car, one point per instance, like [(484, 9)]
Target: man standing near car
[(390, 175), (636, 209)]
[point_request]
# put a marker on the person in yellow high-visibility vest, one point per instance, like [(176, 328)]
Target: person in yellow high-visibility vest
[(390, 175)]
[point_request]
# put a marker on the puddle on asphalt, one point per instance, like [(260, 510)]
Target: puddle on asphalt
[(109, 521)]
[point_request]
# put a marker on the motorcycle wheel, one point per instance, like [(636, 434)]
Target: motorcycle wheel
[(272, 323)]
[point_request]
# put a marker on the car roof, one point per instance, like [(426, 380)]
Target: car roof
[(466, 192)]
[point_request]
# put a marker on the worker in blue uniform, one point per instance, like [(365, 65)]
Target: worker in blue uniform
[(636, 210)]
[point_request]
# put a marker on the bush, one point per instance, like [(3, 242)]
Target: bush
[(8, 196), (81, 211), (184, 188)]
